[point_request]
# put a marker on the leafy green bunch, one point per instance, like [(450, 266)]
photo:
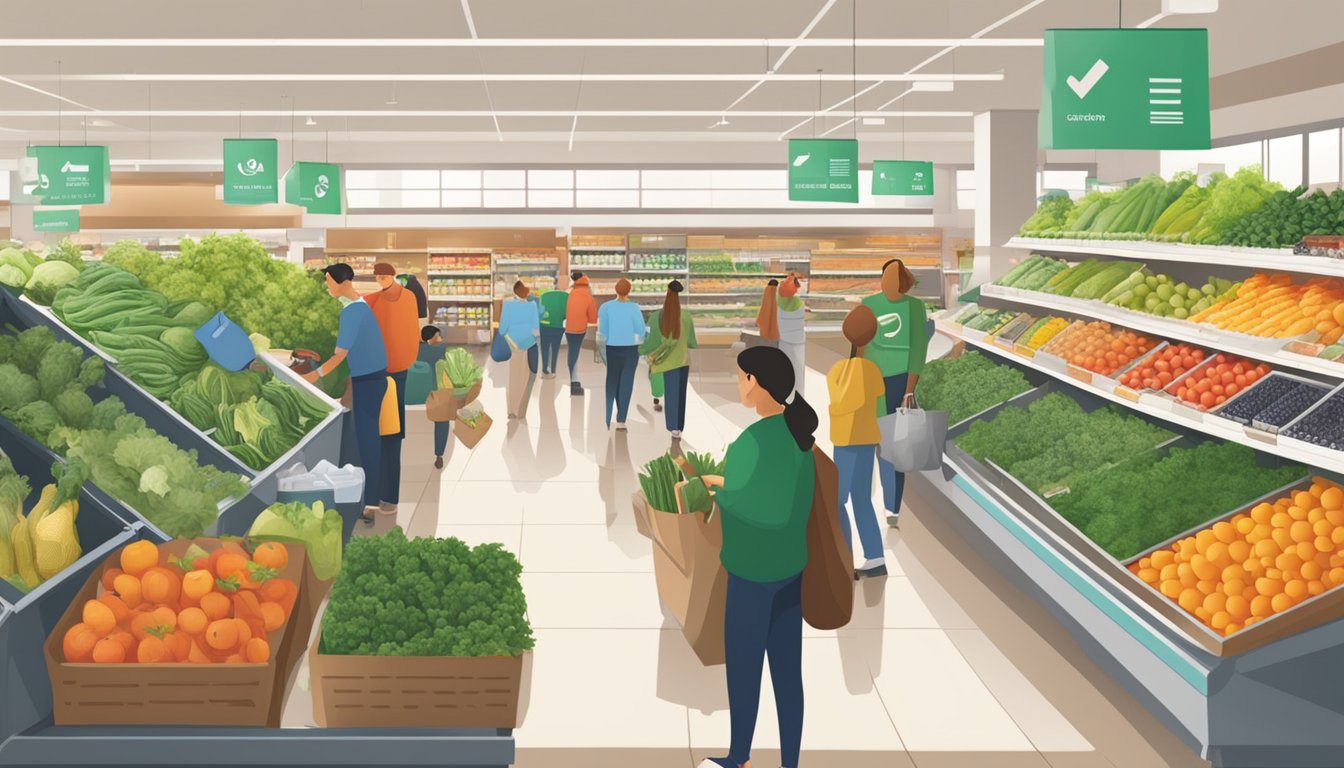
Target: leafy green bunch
[(44, 383), (397, 596), (966, 385), (1287, 217), (1154, 496)]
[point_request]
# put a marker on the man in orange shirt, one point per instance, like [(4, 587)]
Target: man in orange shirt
[(580, 312), (398, 318)]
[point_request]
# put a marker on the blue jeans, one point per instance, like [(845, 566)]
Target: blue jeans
[(855, 466), (675, 383), (366, 393), (390, 474), (893, 482), (764, 621), (441, 437), (575, 344), (621, 364), (550, 347)]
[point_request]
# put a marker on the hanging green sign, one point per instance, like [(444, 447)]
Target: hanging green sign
[(66, 220), (1125, 89), (315, 186), (902, 177), (250, 174), (824, 170), (72, 175)]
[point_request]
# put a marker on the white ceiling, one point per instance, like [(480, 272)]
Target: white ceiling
[(110, 91)]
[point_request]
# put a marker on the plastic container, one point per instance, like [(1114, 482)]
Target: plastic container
[(226, 343)]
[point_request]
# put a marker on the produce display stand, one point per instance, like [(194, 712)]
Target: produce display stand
[(322, 442)]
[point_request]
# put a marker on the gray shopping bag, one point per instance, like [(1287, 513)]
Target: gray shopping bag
[(913, 439)]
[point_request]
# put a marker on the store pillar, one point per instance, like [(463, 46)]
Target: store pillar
[(1005, 186)]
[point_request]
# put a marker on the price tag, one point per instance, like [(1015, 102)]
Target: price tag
[(1024, 351), (1131, 395), (1081, 374), (1304, 348)]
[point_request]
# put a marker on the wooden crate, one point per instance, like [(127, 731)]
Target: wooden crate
[(174, 694), (415, 691)]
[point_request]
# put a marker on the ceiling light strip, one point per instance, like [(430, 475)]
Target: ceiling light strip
[(465, 42), (316, 113), (35, 89), (462, 77), (789, 49)]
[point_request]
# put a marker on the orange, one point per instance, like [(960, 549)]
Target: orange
[(1218, 555), (1149, 575), (1304, 499), (140, 624), (196, 655), (1261, 607), (1239, 551), (1268, 586), (231, 564), (1281, 520), (1203, 539), (1203, 568), (1324, 544), (197, 584), (1215, 602), (1267, 548), (1311, 570), (119, 610), (192, 621), (126, 639), (1262, 512), (258, 651), (222, 634), (271, 554), (1244, 526), (234, 658), (1225, 531), (179, 645), (1220, 620), (152, 650), (128, 589), (99, 617), (274, 615), (1337, 536), (1332, 497), (78, 643), (1190, 599), (215, 605), (160, 585), (109, 651), (1162, 558), (243, 631), (1281, 603), (1295, 589), (165, 617), (1169, 572), (1238, 607), (139, 557), (1206, 587), (1184, 572), (1307, 550), (1234, 587), (1301, 531), (1288, 562), (1315, 587), (1283, 538), (109, 575)]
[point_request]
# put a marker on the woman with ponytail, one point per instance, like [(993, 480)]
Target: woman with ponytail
[(670, 339), (856, 388), (765, 497)]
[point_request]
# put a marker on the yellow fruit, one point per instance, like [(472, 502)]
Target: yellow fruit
[(1231, 629), (1239, 550), (1268, 587), (1215, 602), (1169, 572), (1335, 516), (1333, 497), (1315, 587), (55, 542), (1171, 588), (1234, 587), (1281, 520), (1208, 587), (1295, 589), (1321, 527), (1220, 620), (1218, 555), (1324, 544), (1162, 558), (1149, 575), (1261, 607), (1262, 513), (1190, 599), (1203, 568), (1280, 603), (1203, 539), (1337, 535), (1238, 607), (1311, 570), (1225, 532), (1304, 499), (1301, 531), (1288, 562)]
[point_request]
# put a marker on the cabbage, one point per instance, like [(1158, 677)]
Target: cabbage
[(458, 367), (12, 276), (15, 258), (48, 278), (316, 528)]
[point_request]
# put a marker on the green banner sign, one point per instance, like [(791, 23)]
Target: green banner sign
[(66, 220), (250, 173), (315, 186), (902, 177), (1125, 89), (73, 175), (824, 170)]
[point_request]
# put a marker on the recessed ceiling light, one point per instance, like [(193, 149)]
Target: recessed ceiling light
[(874, 121), (310, 121), (1189, 6), (940, 86)]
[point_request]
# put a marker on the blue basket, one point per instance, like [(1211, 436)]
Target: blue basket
[(226, 343)]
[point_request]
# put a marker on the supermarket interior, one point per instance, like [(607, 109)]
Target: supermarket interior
[(688, 384)]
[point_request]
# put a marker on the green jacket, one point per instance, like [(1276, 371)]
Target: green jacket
[(902, 341), (765, 501), (553, 304), (680, 354)]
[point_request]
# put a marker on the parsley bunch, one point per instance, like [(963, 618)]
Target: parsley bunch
[(964, 386)]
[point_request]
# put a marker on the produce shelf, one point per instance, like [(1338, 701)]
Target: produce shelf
[(1277, 259), (1223, 429), (459, 273), (1270, 705), (461, 299), (1266, 350)]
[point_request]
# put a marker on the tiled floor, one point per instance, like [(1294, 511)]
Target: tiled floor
[(936, 670)]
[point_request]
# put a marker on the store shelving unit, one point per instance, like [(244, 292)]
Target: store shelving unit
[(1276, 259), (459, 289)]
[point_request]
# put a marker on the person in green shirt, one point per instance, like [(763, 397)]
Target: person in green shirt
[(765, 498), (899, 349), (669, 339), (553, 305)]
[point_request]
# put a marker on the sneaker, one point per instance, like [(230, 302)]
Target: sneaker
[(438, 462), (894, 520), (720, 762), (387, 509), (871, 569), (676, 434), (575, 389), (620, 426), (657, 406)]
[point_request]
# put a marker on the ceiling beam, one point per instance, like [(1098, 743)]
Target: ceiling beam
[(542, 42), (465, 77), (648, 113)]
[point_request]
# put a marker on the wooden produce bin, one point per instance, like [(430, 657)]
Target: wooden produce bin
[(415, 691), (249, 695)]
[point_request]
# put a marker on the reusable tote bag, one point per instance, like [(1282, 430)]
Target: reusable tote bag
[(828, 577), (913, 439), (500, 349), (389, 420)]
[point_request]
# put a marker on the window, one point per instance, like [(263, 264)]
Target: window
[(462, 180), (550, 180), (1285, 160), (607, 198), (505, 198), (606, 180), (1323, 153), (1231, 158), (1072, 182), (966, 190), (505, 180), (550, 198)]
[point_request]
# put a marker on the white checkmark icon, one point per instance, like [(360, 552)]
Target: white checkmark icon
[(1084, 86)]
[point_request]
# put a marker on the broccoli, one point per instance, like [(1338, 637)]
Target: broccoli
[(38, 420), (91, 371), (106, 413), (17, 389), (58, 369), (32, 345), (74, 407)]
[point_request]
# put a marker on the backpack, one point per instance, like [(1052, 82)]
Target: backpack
[(828, 577)]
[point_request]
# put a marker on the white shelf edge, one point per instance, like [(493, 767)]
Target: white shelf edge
[(1193, 333), (1278, 259), (1237, 435)]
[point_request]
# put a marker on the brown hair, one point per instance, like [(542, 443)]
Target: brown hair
[(383, 268), (669, 322), (859, 327), (520, 290), (622, 287), (907, 279)]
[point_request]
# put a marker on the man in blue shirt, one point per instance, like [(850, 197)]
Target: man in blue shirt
[(359, 343), (620, 327)]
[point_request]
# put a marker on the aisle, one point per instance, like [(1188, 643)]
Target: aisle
[(935, 670)]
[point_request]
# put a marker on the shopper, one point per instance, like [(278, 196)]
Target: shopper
[(580, 312), (553, 305), (856, 389), (360, 344), (431, 351), (767, 317), (899, 349), (766, 497), (670, 339), (792, 338), (519, 324), (410, 283), (398, 318), (620, 327)]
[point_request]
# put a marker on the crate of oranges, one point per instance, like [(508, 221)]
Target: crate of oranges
[(190, 632)]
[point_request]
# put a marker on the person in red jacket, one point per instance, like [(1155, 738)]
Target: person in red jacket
[(580, 312), (398, 318)]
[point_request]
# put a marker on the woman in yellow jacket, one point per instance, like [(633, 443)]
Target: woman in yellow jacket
[(856, 390)]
